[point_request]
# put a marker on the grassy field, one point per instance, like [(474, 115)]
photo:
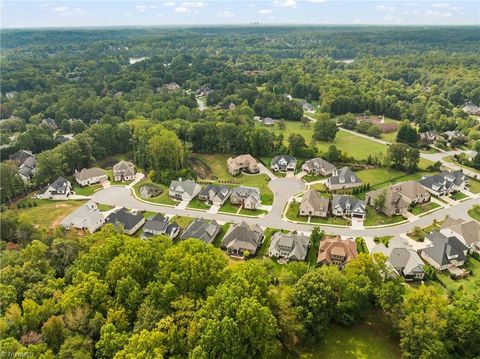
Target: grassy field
[(218, 166), (474, 186), (425, 207), (87, 190), (292, 214), (374, 218), (475, 213), (162, 199), (383, 177), (467, 283), (48, 214), (368, 340), (451, 160)]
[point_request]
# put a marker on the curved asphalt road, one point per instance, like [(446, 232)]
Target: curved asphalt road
[(283, 189)]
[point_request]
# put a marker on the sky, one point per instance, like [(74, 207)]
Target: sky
[(75, 13)]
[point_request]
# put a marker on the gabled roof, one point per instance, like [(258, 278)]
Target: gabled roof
[(187, 186), (59, 184), (444, 247), (349, 202), (220, 192), (470, 230), (86, 216), (125, 168), (159, 223), (88, 173), (283, 160), (443, 181), (125, 218), (245, 191), (202, 229), (311, 199), (410, 189), (21, 156), (344, 176), (295, 244), (401, 256), (338, 247), (319, 163), (242, 236)]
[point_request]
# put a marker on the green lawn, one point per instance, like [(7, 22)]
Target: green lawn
[(319, 187), (419, 235), (312, 178), (374, 218), (474, 186), (451, 160), (182, 221), (467, 283), (229, 208), (217, 242), (313, 253), (268, 233), (457, 196), (104, 207), (425, 207), (383, 177), (390, 137), (47, 214), (87, 190), (385, 240), (292, 214), (162, 199), (368, 340), (250, 212), (196, 203), (475, 213), (218, 165)]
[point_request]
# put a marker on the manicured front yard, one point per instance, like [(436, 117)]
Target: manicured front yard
[(249, 212), (475, 213), (418, 234), (312, 178), (162, 199), (197, 204), (182, 221), (47, 214), (292, 214), (425, 207), (458, 196), (368, 340), (467, 283), (474, 186), (374, 218), (229, 208), (217, 242), (87, 190), (383, 177), (104, 207)]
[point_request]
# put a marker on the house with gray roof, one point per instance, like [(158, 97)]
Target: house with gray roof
[(468, 232), (249, 197), (348, 206), (290, 246), (343, 178), (312, 205), (60, 189), (20, 156), (86, 217), (445, 183), (283, 163), (471, 109), (203, 230), (89, 176), (64, 138), (402, 259), (123, 171), (445, 251), (214, 194), (125, 221), (183, 190), (159, 225), (318, 167), (308, 107), (242, 238), (27, 168)]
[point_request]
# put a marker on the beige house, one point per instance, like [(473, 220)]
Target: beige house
[(412, 192), (336, 251), (318, 166), (467, 232), (88, 176), (343, 178), (124, 171), (242, 163), (313, 205)]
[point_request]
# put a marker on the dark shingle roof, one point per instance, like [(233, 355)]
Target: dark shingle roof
[(444, 247), (125, 218), (202, 229)]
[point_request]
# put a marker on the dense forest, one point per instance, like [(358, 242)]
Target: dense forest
[(108, 295)]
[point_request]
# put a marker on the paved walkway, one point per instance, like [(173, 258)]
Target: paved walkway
[(266, 171)]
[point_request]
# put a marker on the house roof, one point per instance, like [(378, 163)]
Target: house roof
[(88, 173), (125, 168), (318, 163), (187, 186), (245, 191), (159, 223), (443, 180), (443, 247), (392, 199), (336, 246), (59, 184), (349, 202), (86, 216), (312, 200), (242, 236), (202, 229), (221, 192), (295, 244), (284, 160), (21, 156), (410, 189), (344, 176), (470, 230), (127, 219)]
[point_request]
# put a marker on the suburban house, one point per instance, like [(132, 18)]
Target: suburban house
[(283, 163), (467, 232), (402, 259), (126, 221), (428, 137), (59, 189), (452, 135), (50, 122), (203, 230), (248, 196), (312, 205), (336, 251), (64, 138), (399, 197), (242, 163), (318, 166), (471, 109), (343, 178), (242, 238), (290, 246), (87, 217), (445, 251), (268, 121), (214, 194), (308, 107), (159, 225), (88, 176), (183, 189), (27, 168), (384, 127), (172, 86), (20, 157), (348, 206), (445, 183), (123, 171)]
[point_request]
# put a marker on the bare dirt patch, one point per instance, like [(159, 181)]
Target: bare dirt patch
[(201, 169)]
